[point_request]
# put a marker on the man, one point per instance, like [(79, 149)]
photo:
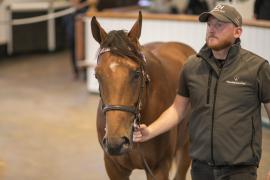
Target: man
[(225, 85)]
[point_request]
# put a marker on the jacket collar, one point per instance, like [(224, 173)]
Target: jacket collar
[(207, 55)]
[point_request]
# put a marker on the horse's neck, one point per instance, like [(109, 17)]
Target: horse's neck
[(158, 93), (154, 68)]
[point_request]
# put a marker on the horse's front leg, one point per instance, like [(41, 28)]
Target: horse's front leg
[(115, 171), (183, 162), (159, 173)]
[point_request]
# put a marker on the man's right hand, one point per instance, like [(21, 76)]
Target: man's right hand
[(167, 120), (141, 133)]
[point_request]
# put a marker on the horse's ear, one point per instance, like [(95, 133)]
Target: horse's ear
[(98, 32), (135, 31)]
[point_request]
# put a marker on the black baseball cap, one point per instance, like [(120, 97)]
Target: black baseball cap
[(224, 13)]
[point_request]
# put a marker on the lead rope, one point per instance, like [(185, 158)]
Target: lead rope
[(147, 167), (137, 123)]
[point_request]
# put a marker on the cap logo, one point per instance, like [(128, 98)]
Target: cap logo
[(219, 8)]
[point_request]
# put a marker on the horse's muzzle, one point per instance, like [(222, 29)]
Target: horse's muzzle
[(115, 145)]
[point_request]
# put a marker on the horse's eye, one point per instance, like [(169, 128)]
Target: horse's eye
[(96, 76), (137, 74)]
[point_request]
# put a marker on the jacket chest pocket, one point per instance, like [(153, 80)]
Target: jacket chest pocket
[(237, 93)]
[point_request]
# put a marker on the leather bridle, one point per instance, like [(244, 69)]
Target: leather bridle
[(136, 109)]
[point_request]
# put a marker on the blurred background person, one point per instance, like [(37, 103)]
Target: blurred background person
[(262, 9), (197, 7), (162, 6), (211, 3), (107, 4), (181, 6), (168, 6), (178, 6), (81, 8)]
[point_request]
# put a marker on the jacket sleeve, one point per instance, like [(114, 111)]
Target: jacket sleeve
[(182, 84), (264, 83)]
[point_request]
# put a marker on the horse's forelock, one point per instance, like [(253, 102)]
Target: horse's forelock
[(119, 44)]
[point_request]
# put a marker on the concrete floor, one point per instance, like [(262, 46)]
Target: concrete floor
[(47, 123)]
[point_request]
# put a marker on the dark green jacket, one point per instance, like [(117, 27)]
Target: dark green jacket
[(225, 123)]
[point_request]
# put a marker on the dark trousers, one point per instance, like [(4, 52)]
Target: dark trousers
[(70, 32), (69, 21), (202, 171)]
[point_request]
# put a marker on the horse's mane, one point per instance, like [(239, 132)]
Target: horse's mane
[(120, 44)]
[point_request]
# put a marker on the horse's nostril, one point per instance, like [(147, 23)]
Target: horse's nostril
[(104, 141), (126, 142)]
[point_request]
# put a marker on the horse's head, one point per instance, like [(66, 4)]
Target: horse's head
[(121, 75)]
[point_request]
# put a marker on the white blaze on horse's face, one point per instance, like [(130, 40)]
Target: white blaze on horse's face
[(113, 66)]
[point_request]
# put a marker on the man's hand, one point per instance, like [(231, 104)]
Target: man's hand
[(268, 175), (141, 133)]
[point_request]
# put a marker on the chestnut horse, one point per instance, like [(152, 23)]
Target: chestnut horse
[(137, 83)]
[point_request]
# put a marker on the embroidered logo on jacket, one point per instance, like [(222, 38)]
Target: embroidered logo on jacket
[(236, 81)]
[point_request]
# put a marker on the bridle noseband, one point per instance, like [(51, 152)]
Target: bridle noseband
[(136, 109)]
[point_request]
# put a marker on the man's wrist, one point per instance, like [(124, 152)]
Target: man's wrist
[(150, 132)]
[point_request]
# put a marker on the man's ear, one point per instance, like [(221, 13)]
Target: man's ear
[(237, 32), (98, 32), (135, 31)]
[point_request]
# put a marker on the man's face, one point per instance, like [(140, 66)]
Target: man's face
[(220, 35)]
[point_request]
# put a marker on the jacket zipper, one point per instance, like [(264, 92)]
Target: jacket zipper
[(252, 137), (213, 117), (209, 86)]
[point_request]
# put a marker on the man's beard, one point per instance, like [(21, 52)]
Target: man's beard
[(219, 46)]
